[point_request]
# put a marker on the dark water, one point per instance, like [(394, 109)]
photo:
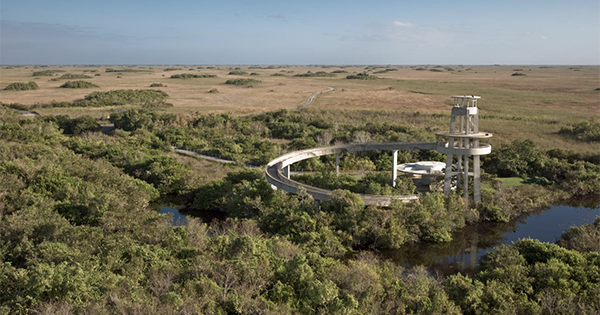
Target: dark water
[(469, 244), (180, 215), (178, 218)]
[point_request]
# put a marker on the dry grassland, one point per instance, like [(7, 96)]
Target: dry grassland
[(533, 106)]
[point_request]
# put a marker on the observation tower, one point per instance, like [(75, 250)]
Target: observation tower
[(463, 141)]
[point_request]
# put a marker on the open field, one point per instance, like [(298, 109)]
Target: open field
[(535, 106)]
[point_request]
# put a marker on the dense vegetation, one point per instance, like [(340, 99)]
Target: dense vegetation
[(73, 76), (192, 76), (145, 98), (310, 74), (361, 76), (46, 73), (243, 82), (77, 235), (584, 131), (78, 85), (238, 72), (20, 86), (109, 70)]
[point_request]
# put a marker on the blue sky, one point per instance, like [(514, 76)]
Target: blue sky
[(299, 32)]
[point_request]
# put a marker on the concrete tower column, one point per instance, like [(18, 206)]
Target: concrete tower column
[(394, 167), (464, 143)]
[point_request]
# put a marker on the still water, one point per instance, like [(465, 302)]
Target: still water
[(468, 245), (178, 218)]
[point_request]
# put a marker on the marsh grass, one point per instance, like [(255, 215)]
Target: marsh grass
[(534, 107)]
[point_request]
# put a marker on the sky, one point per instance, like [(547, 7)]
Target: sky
[(301, 32)]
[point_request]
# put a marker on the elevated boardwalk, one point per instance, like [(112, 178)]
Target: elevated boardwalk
[(277, 171)]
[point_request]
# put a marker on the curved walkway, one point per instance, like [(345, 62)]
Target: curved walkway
[(274, 171)]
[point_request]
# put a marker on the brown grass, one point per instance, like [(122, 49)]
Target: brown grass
[(545, 100)]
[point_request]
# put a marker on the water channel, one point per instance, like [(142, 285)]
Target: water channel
[(470, 243)]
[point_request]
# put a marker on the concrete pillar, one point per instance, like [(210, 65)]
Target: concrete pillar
[(337, 164), (394, 167), (448, 173), (466, 171), (476, 179), (286, 172)]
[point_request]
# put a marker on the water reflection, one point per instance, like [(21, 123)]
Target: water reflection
[(178, 218), (469, 244)]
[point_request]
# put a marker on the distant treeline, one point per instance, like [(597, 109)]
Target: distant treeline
[(20, 86), (192, 76)]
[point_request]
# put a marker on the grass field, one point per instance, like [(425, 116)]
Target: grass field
[(533, 106)]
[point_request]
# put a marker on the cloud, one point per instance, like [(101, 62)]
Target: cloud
[(402, 32), (403, 24)]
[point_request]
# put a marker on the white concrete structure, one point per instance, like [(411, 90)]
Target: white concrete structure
[(277, 171), (463, 141)]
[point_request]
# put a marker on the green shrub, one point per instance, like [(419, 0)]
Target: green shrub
[(171, 69), (584, 131), (71, 76), (435, 70), (238, 72), (310, 74), (19, 86), (278, 75), (192, 76), (254, 73), (157, 85), (108, 70), (46, 73), (78, 85), (362, 76), (518, 74), (243, 82)]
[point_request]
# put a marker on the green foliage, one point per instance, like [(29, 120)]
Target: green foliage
[(583, 131), (157, 85), (518, 74), (435, 70), (238, 72), (243, 82), (585, 238), (362, 76), (72, 76), (19, 86), (109, 70), (192, 76), (75, 126), (386, 70), (46, 73), (516, 159), (134, 119), (78, 85), (310, 74)]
